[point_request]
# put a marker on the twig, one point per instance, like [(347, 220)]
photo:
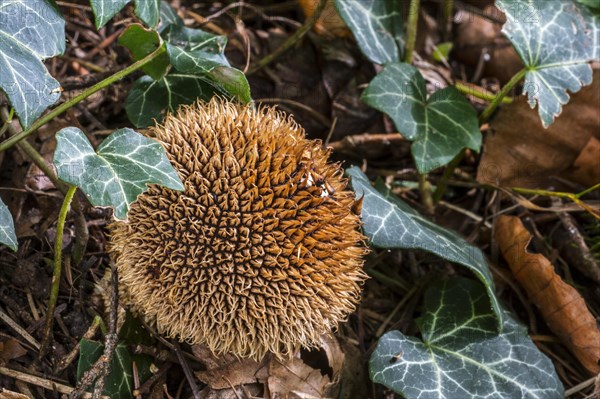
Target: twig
[(70, 357), (100, 369), (20, 330), (110, 343), (186, 370), (310, 22), (41, 382), (58, 241), (575, 197), (80, 97), (586, 263), (581, 386)]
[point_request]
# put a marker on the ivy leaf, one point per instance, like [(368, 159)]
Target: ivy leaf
[(461, 355), (7, 228), (441, 125), (149, 99), (591, 18), (105, 10), (391, 223), (594, 5), (142, 42), (377, 25), (195, 51), (119, 383), (30, 31), (168, 17), (118, 171), (550, 37), (148, 11)]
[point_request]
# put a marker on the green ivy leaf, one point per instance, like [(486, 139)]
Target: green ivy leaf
[(30, 31), (7, 228), (551, 39), (119, 383), (461, 355), (195, 51), (149, 99), (142, 42), (391, 223), (148, 11), (105, 10), (591, 18), (594, 5), (378, 27), (168, 17), (441, 125), (118, 171)]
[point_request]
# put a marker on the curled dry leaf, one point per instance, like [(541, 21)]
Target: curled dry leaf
[(561, 305), (518, 151), (329, 22), (313, 373)]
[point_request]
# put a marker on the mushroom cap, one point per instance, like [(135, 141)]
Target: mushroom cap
[(260, 253)]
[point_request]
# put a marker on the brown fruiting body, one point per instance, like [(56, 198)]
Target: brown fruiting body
[(260, 253)]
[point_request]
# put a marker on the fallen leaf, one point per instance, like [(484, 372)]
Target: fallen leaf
[(311, 373), (329, 22), (561, 305), (518, 151), (478, 37), (11, 349), (587, 164), (227, 370)]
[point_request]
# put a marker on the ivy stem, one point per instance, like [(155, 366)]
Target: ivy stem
[(485, 115), (58, 242), (411, 30), (479, 92), (80, 97), (308, 25), (440, 188), (447, 19)]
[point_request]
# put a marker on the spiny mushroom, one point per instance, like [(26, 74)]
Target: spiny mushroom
[(260, 253)]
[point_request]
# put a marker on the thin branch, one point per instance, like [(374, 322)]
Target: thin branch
[(308, 25)]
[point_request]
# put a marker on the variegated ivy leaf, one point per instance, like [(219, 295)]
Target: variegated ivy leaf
[(377, 25), (551, 39), (7, 228), (391, 223), (114, 175), (146, 10), (440, 126), (460, 353), (194, 50), (30, 31), (150, 99)]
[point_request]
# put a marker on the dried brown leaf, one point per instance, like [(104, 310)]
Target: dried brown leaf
[(562, 307), (11, 349), (518, 151), (329, 22)]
